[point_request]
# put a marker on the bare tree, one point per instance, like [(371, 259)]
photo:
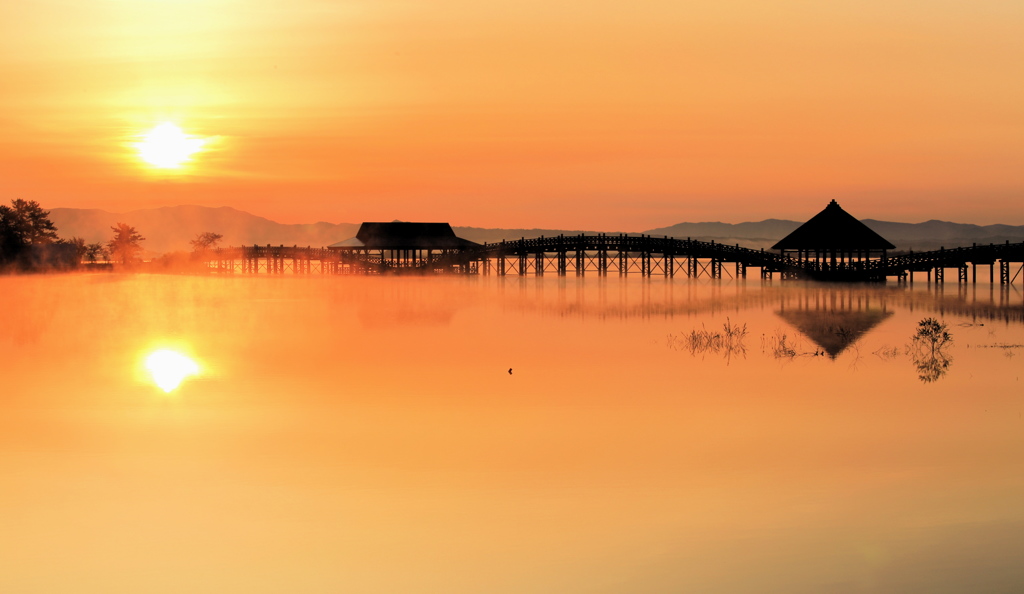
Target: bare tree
[(205, 241), (124, 247)]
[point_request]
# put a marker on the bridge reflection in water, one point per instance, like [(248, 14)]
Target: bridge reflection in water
[(801, 301), (622, 255)]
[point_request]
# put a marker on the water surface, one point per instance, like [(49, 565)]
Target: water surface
[(365, 435)]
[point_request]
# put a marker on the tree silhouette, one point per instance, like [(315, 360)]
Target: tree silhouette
[(23, 224), (124, 247), (95, 251), (77, 245), (205, 241)]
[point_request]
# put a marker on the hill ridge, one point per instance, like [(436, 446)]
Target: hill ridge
[(170, 228)]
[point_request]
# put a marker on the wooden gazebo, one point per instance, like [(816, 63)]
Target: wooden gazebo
[(400, 246), (833, 240)]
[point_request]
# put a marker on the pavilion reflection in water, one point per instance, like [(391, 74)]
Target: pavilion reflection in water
[(833, 320)]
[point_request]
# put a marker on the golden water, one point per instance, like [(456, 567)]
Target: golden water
[(365, 435)]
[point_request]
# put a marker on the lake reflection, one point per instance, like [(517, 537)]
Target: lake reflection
[(365, 435)]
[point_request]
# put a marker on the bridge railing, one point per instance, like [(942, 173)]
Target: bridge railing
[(669, 246), (666, 246)]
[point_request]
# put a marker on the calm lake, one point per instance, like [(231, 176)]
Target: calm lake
[(366, 435)]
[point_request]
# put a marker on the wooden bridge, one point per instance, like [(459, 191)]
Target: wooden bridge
[(648, 256), (622, 255)]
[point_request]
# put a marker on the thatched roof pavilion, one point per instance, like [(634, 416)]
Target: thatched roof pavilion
[(834, 236), (398, 235), (400, 245)]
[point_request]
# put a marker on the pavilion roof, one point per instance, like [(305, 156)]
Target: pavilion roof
[(833, 228), (398, 235)]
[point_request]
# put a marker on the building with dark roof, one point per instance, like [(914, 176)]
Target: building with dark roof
[(400, 246), (834, 240)]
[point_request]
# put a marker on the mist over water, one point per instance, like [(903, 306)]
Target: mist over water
[(508, 435)]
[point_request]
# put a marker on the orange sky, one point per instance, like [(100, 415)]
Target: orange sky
[(597, 115)]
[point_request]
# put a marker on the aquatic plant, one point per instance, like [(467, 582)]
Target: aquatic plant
[(932, 335), (781, 347), (727, 342), (927, 349), (886, 352)]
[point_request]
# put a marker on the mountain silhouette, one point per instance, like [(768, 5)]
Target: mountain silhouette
[(170, 228)]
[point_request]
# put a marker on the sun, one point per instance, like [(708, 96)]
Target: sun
[(169, 368), (167, 146)]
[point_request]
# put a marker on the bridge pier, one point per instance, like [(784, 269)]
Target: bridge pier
[(991, 271), (632, 254), (1007, 276)]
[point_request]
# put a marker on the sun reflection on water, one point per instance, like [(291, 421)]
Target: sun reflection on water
[(169, 368)]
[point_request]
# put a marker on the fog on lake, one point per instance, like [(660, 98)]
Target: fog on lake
[(164, 433)]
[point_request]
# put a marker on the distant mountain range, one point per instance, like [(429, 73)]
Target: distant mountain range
[(929, 235), (170, 229)]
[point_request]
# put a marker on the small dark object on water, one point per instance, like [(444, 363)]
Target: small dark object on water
[(510, 371)]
